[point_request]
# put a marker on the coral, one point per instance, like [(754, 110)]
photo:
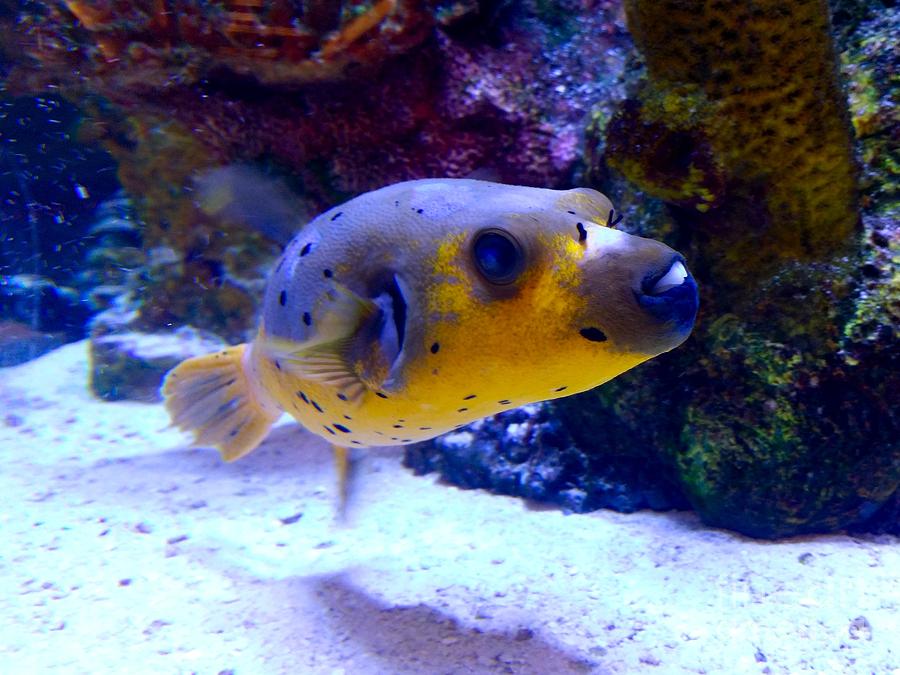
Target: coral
[(779, 439), (413, 89), (742, 106), (872, 68), (529, 452), (115, 255), (275, 41), (783, 421), (778, 415)]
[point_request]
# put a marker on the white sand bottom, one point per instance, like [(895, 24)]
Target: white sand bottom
[(125, 552)]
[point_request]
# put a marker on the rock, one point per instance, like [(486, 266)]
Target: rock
[(777, 413), (20, 343), (777, 416), (38, 302), (131, 365), (529, 453)]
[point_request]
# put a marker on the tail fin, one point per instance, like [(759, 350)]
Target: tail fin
[(211, 396)]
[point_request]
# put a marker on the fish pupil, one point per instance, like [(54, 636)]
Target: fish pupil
[(498, 256)]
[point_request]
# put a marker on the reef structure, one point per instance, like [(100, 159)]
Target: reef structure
[(778, 416), (154, 44), (339, 97)]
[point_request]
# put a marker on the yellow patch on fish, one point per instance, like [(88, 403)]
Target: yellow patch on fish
[(415, 309)]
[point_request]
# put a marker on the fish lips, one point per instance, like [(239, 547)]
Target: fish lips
[(670, 295)]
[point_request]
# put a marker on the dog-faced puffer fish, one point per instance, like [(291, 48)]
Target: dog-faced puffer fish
[(422, 306)]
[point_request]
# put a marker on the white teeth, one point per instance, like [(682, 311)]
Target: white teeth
[(674, 277)]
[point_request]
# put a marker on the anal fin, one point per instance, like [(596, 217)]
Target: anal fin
[(346, 462), (211, 396)]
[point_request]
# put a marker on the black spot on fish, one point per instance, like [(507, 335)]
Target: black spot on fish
[(424, 428), (307, 319), (230, 382), (394, 438), (329, 430), (303, 396), (593, 334), (469, 397), (380, 433), (347, 417), (306, 249), (612, 219), (341, 396), (435, 347), (398, 426), (282, 298), (505, 401), (561, 388), (234, 432), (582, 233), (278, 364), (380, 395), (406, 440), (336, 216), (327, 273), (356, 442), (572, 212), (462, 410), (420, 210), (316, 406), (396, 202), (340, 427)]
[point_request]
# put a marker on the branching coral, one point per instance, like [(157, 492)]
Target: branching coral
[(275, 41)]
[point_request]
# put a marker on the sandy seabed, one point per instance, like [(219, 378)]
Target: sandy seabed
[(124, 551)]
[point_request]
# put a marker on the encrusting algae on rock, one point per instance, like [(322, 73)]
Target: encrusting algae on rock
[(742, 112), (417, 308), (780, 409)]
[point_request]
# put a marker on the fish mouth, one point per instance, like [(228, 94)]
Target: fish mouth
[(670, 296), (672, 278)]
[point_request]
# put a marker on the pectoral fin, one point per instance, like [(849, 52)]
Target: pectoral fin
[(325, 356)]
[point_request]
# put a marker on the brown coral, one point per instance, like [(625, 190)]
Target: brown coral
[(749, 91), (276, 41)]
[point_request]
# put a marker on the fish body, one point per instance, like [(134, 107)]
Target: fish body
[(420, 307)]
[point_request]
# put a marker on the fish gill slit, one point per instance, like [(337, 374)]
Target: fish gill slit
[(398, 303)]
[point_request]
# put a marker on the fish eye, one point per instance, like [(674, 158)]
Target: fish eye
[(498, 256)]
